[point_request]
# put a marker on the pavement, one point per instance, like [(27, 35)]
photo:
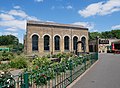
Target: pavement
[(104, 74)]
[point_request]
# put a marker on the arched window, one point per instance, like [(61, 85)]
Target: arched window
[(35, 43), (66, 43), (57, 42), (75, 39), (83, 47), (46, 42)]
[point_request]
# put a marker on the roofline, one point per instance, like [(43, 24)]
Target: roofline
[(38, 23)]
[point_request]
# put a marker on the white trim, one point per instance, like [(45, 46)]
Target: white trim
[(56, 35), (76, 36), (34, 34), (46, 34), (82, 36), (66, 35)]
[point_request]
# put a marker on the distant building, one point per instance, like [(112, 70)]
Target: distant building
[(50, 38), (103, 45)]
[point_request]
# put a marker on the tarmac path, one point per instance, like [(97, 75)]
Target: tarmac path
[(104, 74)]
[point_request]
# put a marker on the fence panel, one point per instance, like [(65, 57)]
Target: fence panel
[(58, 77)]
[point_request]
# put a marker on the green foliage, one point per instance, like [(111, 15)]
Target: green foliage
[(6, 80), (41, 61), (7, 39), (4, 67), (19, 62), (6, 56), (106, 34), (93, 35), (116, 33), (63, 55), (12, 42), (41, 79)]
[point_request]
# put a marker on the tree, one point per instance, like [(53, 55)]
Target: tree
[(11, 41), (7, 39), (106, 34), (116, 33), (93, 35)]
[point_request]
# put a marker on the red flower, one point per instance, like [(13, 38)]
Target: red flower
[(43, 75), (37, 67)]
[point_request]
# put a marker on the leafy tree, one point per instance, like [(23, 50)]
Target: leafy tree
[(116, 33), (8, 39), (93, 35), (11, 41), (106, 34)]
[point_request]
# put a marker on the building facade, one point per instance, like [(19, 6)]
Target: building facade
[(105, 45), (50, 38), (102, 45)]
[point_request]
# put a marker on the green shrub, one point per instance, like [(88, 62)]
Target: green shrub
[(4, 67), (6, 80), (6, 56), (41, 61), (19, 63)]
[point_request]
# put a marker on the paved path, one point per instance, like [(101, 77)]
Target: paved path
[(105, 74)]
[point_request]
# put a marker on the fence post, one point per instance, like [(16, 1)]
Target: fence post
[(71, 67), (85, 61), (90, 56), (96, 56), (26, 81)]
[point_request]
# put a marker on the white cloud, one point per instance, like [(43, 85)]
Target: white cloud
[(11, 29), (9, 19), (39, 0), (9, 33), (6, 17), (19, 13), (69, 7), (101, 8), (14, 20), (32, 18), (18, 24), (116, 27), (16, 7), (94, 30), (85, 24)]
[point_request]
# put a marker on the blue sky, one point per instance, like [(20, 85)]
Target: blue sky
[(97, 15)]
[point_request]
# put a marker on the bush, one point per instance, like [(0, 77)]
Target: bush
[(19, 63), (6, 80), (4, 67), (6, 56), (41, 61)]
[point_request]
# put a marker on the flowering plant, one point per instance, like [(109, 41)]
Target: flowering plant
[(6, 80)]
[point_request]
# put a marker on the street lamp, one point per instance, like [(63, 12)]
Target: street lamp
[(97, 43), (97, 40)]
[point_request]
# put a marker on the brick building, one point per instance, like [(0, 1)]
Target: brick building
[(45, 37)]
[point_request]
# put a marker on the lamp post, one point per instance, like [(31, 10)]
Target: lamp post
[(97, 43)]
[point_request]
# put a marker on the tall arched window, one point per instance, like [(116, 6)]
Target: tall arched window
[(83, 47), (66, 43), (35, 43), (46, 42), (75, 39), (57, 42)]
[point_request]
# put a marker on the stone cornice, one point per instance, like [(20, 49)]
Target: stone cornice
[(52, 24)]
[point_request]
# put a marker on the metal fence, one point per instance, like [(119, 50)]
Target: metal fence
[(58, 77)]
